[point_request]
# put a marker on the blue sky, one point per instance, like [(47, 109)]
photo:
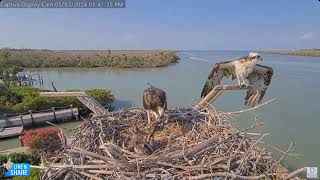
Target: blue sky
[(168, 24)]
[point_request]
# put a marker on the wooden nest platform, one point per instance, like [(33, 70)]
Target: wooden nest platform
[(185, 144)]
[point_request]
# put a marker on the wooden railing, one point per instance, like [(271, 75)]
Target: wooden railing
[(84, 98)]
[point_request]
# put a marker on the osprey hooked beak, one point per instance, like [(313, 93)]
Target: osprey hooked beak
[(260, 58)]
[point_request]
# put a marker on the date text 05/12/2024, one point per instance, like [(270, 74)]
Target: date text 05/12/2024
[(63, 4)]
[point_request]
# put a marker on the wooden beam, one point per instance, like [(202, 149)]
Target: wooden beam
[(229, 87), (63, 94), (215, 93)]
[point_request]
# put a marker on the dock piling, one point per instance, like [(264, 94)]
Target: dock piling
[(71, 108), (21, 118), (31, 116), (54, 113)]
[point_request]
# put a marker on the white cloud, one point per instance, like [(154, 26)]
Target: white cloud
[(306, 35)]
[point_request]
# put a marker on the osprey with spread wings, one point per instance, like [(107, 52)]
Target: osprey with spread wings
[(249, 74)]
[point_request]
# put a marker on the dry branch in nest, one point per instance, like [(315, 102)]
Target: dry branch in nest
[(187, 143)]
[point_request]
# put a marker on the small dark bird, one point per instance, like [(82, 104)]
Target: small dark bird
[(255, 77), (154, 101)]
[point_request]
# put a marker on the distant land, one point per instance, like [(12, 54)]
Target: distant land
[(39, 58), (301, 52)]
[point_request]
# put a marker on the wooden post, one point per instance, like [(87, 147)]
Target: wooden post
[(6, 118), (4, 124), (21, 120), (30, 112), (54, 113), (21, 142), (41, 80), (71, 106)]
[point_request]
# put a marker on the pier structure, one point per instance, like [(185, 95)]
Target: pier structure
[(84, 98), (12, 125)]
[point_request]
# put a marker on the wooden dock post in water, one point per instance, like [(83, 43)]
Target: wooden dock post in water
[(21, 119), (71, 106), (215, 93), (54, 113), (84, 98), (31, 116)]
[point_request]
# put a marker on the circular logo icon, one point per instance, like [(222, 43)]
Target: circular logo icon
[(9, 165)]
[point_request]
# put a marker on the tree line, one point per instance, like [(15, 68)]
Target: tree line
[(47, 58)]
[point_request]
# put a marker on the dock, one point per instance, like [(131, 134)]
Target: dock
[(41, 118), (84, 98), (13, 125), (11, 132)]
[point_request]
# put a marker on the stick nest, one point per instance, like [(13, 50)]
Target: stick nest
[(186, 143)]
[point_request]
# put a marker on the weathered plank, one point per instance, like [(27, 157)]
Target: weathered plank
[(229, 87), (93, 105), (215, 93), (63, 94), (11, 132)]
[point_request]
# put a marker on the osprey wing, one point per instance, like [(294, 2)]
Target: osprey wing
[(259, 81), (219, 71), (153, 98)]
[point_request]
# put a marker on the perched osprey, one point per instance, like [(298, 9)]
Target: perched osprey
[(244, 69), (154, 101)]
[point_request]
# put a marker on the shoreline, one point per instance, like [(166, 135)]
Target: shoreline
[(302, 52)]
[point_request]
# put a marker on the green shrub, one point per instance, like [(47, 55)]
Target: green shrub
[(6, 95), (8, 69), (35, 174), (26, 91), (105, 97), (32, 158)]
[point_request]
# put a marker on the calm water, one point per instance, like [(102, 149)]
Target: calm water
[(293, 118)]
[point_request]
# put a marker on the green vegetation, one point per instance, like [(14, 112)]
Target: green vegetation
[(35, 174), (19, 99), (302, 52), (8, 69), (108, 58), (32, 158)]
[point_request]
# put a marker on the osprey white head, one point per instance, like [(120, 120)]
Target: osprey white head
[(255, 55)]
